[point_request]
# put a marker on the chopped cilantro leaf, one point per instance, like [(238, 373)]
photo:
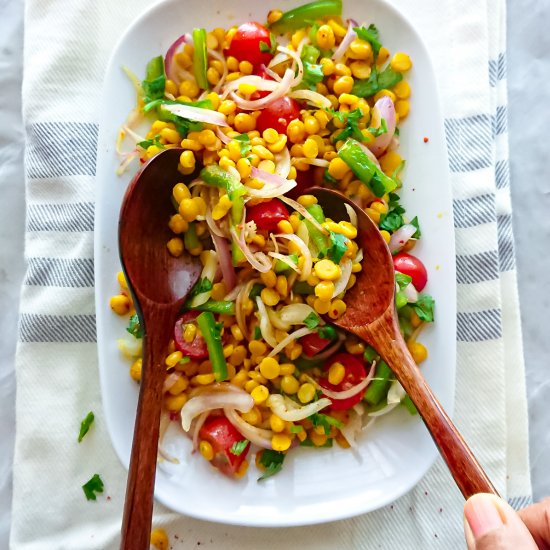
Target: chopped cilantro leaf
[(93, 486), (255, 290), (155, 80), (185, 360), (418, 233), (238, 447), (309, 443), (351, 120), (313, 74), (272, 461), (134, 327), (338, 247), (244, 144), (382, 129), (370, 35), (402, 280), (397, 171), (312, 320), (325, 421), (424, 308), (296, 428), (376, 82), (271, 47), (257, 333), (85, 426), (149, 142), (391, 221)]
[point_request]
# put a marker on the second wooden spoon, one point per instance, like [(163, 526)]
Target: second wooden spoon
[(371, 315)]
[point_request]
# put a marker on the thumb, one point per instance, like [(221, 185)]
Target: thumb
[(491, 524)]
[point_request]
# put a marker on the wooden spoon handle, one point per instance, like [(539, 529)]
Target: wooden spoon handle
[(463, 465), (138, 507)]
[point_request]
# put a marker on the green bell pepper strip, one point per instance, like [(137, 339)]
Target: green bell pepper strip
[(301, 287), (318, 238), (223, 307), (284, 267), (203, 104), (218, 177), (190, 239), (365, 169), (409, 405), (300, 16), (212, 334), (378, 388), (155, 80), (370, 354), (200, 59), (400, 300)]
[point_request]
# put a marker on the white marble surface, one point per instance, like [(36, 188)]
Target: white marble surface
[(529, 119)]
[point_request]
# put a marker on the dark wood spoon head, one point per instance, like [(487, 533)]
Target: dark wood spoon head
[(152, 272), (374, 291)]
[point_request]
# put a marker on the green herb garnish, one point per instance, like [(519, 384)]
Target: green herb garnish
[(272, 462), (93, 486), (312, 321), (85, 426), (134, 326), (238, 447)]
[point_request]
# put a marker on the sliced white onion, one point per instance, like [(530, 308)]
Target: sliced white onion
[(257, 436), (276, 320), (352, 428), (196, 113), (342, 282), (226, 264), (352, 214), (385, 410), (259, 261), (240, 315), (283, 409), (411, 294), (127, 159), (271, 73), (290, 338), (350, 392), (314, 162), (170, 381), (286, 260), (223, 138), (349, 37), (209, 401), (218, 56), (282, 163), (303, 233), (315, 98), (306, 253), (275, 184), (163, 427), (280, 91), (265, 324), (129, 346), (277, 59), (231, 296), (383, 109), (358, 256), (253, 80), (208, 272), (400, 238), (396, 393), (295, 314), (297, 61)]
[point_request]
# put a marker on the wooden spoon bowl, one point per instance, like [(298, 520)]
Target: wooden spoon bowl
[(159, 283), (371, 315)]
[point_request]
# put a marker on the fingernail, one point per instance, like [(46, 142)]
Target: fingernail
[(482, 515)]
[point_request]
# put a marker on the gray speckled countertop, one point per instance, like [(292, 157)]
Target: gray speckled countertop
[(529, 119)]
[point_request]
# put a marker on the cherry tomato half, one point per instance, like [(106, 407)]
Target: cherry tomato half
[(312, 344), (267, 215), (278, 115), (245, 45), (195, 349), (304, 180), (355, 373), (413, 267), (222, 435)]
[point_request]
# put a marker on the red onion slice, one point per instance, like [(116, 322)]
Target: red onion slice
[(350, 392), (411, 293), (400, 238), (383, 109), (226, 265), (349, 37), (223, 138), (171, 52), (170, 381)]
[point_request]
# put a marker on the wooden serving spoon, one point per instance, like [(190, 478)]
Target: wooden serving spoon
[(159, 284), (371, 315)]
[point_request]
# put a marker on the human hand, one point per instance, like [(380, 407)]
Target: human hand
[(491, 524)]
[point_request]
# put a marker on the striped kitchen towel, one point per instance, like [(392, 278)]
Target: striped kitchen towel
[(67, 45)]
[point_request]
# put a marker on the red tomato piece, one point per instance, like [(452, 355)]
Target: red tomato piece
[(222, 435), (312, 344), (195, 349), (304, 180), (355, 373), (267, 215), (245, 45), (278, 115), (413, 267)]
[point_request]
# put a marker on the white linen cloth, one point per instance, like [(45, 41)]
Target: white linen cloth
[(67, 45)]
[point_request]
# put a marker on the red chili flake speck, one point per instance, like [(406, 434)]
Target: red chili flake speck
[(426, 140), (108, 497)]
